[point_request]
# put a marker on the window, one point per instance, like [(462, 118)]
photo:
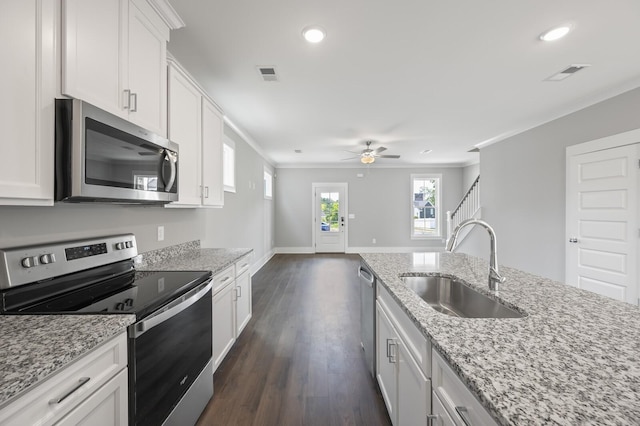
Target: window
[(229, 165), (268, 184), (425, 206)]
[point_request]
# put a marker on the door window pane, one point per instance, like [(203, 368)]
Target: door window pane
[(330, 211)]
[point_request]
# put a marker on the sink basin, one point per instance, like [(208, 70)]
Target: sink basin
[(451, 297)]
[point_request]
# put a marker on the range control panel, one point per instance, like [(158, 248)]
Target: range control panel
[(25, 265)]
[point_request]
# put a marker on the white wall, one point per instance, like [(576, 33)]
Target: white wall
[(469, 175), (381, 202), (523, 185)]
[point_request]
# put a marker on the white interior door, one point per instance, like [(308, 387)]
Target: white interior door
[(602, 222), (329, 219)]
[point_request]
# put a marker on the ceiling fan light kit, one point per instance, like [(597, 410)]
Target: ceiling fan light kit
[(368, 155), (367, 159)]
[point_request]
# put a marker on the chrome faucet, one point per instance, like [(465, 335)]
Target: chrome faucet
[(494, 276)]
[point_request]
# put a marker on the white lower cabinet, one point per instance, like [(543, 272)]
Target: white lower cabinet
[(224, 315), (92, 390), (106, 407), (403, 379), (440, 415), (231, 307), (459, 404)]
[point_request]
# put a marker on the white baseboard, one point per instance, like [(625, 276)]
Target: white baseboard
[(255, 267), (294, 250), (392, 249), (310, 250)]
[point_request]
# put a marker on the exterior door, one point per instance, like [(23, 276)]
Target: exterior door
[(329, 217), (602, 222)]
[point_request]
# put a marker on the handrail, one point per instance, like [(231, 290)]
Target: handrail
[(466, 195)]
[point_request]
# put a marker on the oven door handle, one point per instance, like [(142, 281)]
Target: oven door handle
[(170, 310)]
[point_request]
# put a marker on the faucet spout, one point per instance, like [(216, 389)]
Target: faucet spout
[(494, 275)]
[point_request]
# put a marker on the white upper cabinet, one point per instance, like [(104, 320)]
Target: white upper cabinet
[(114, 56), (185, 129), (27, 107), (195, 124)]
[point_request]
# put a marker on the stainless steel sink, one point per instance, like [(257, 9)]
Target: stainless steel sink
[(454, 298)]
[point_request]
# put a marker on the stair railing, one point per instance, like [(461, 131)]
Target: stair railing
[(467, 208)]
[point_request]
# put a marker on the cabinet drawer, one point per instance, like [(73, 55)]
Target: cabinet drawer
[(38, 406), (458, 401), (224, 278), (442, 418), (243, 265), (417, 344)]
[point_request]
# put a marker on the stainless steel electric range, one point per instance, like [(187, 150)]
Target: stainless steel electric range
[(169, 345)]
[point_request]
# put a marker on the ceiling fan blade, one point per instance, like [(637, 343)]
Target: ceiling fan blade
[(353, 152), (379, 150), (350, 158), (388, 156)]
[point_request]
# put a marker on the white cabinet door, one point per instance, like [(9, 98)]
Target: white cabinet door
[(27, 107), (386, 362), (94, 36), (212, 155), (224, 316), (243, 301), (442, 418), (184, 129), (147, 54), (106, 407), (414, 390)]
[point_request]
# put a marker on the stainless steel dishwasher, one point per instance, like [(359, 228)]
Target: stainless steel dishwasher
[(367, 316)]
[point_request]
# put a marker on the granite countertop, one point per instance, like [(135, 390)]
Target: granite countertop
[(35, 346), (192, 259), (574, 359)]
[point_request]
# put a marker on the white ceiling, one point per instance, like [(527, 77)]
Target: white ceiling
[(409, 74)]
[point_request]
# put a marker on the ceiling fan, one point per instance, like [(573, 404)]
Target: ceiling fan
[(369, 155)]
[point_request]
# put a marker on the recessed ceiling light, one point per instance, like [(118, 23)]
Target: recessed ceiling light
[(313, 34), (555, 33), (426, 151)]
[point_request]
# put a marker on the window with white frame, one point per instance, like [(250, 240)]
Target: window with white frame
[(425, 206), (268, 184), (229, 165)]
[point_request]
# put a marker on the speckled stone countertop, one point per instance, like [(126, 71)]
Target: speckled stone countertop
[(573, 360), (35, 346), (190, 257)]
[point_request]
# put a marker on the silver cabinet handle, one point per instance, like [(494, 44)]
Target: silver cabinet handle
[(391, 343), (239, 291), (464, 414), (134, 96), (58, 400), (127, 99), (206, 192), (225, 279), (573, 240), (432, 419)]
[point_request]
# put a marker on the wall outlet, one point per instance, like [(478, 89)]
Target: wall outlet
[(373, 241), (161, 233)]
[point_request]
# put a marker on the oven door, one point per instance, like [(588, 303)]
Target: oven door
[(167, 352)]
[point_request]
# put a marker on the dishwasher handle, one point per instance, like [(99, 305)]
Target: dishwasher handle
[(368, 276)]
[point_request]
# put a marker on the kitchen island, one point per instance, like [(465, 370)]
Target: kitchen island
[(573, 359)]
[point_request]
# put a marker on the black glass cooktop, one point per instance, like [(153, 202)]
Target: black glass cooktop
[(138, 293)]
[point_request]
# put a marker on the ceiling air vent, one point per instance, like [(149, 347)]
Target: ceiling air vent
[(268, 73), (567, 72)]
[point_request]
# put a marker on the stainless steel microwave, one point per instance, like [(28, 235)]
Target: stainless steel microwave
[(104, 158)]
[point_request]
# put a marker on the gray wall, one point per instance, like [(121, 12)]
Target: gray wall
[(247, 218), (469, 175), (380, 200), (523, 185), (241, 223)]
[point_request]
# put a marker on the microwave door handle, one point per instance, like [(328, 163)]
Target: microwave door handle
[(172, 163)]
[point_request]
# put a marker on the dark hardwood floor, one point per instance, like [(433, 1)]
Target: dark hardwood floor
[(299, 360)]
